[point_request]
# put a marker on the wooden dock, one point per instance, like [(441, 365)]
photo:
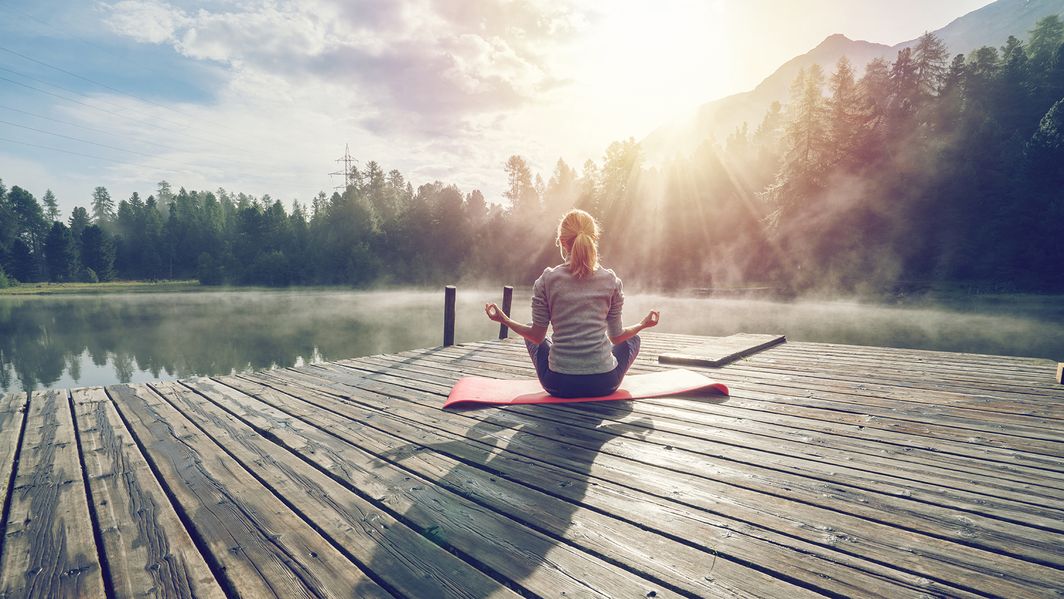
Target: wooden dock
[(831, 470)]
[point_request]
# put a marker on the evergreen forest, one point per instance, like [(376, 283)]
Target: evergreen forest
[(931, 168)]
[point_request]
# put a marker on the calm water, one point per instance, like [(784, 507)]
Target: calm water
[(70, 341)]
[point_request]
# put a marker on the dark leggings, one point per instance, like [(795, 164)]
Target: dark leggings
[(582, 385)]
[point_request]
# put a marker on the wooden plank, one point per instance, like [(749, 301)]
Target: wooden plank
[(972, 382), (146, 546), (808, 363), (748, 396), (982, 511), (956, 370), (12, 418), (808, 404), (691, 430), (900, 378), (962, 458), (611, 490), (263, 548), (1012, 361), (948, 367), (812, 406), (407, 561), (703, 479), (534, 561), (721, 350), (49, 549), (1060, 373)]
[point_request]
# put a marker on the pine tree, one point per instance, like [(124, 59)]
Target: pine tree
[(60, 253), (51, 206), (103, 207), (520, 191), (929, 58), (842, 106)]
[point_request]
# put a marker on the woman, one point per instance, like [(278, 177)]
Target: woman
[(591, 350)]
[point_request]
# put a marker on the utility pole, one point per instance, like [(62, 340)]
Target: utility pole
[(348, 172)]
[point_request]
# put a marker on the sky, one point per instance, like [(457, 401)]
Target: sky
[(263, 96)]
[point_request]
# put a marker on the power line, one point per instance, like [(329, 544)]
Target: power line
[(73, 124), (78, 139), (181, 127), (54, 149)]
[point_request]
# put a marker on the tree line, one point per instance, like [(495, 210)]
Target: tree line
[(923, 169)]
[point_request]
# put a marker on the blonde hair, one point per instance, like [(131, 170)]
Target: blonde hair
[(579, 232)]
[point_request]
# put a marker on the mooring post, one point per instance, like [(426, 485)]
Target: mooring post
[(1060, 372), (507, 299), (448, 315)]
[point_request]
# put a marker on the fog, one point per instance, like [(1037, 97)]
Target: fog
[(66, 341)]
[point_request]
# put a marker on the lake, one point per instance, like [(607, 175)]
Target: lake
[(81, 340)]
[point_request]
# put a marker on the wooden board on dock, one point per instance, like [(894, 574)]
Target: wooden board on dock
[(830, 470), (721, 350)]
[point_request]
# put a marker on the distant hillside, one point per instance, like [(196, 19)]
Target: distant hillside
[(719, 118), (987, 26), (993, 24)]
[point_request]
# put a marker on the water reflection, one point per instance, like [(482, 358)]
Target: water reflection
[(68, 341), (95, 340)]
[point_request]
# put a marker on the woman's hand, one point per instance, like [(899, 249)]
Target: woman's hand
[(651, 319), (494, 313)]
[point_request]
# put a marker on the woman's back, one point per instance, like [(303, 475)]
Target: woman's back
[(582, 311)]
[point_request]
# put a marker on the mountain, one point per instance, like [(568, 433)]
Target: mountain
[(993, 24), (990, 25)]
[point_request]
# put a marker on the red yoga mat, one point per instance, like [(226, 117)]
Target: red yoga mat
[(472, 391)]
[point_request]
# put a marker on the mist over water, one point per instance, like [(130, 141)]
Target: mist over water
[(71, 341)]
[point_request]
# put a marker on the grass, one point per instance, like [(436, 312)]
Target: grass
[(107, 287)]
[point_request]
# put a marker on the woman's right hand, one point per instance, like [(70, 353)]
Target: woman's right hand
[(651, 320), (493, 312)]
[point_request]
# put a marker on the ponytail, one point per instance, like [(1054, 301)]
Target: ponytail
[(579, 232)]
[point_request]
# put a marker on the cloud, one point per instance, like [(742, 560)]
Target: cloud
[(429, 66), (145, 20)]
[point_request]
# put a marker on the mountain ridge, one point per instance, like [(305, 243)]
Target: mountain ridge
[(990, 25)]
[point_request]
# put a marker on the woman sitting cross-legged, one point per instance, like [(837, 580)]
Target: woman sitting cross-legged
[(591, 350)]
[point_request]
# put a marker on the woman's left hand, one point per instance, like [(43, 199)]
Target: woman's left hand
[(493, 312), (651, 319)]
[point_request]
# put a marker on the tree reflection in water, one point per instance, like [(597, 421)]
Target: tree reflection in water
[(68, 341)]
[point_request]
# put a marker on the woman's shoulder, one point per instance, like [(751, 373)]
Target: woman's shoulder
[(607, 274)]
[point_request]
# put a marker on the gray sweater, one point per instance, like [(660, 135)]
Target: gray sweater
[(581, 311)]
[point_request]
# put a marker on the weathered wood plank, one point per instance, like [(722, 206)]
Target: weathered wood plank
[(49, 549), (12, 418), (689, 431), (263, 548), (701, 484), (745, 404), (964, 373), (409, 562), (475, 476), (738, 408), (609, 489), (900, 382), (721, 350), (916, 505), (540, 564), (900, 377), (149, 552), (796, 398)]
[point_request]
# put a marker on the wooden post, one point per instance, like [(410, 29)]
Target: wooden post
[(448, 315), (1060, 372), (507, 299)]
